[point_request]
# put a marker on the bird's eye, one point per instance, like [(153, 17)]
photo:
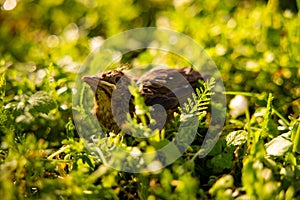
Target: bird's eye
[(117, 78)]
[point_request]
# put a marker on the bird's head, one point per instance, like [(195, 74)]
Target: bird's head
[(105, 82), (103, 86)]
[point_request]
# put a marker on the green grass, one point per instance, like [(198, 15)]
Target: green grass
[(256, 46)]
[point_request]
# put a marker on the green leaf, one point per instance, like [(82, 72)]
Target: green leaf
[(41, 102), (221, 185), (221, 162), (269, 127), (236, 138), (296, 136), (2, 86), (278, 146)]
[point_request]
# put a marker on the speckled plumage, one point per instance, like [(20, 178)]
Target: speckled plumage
[(156, 87)]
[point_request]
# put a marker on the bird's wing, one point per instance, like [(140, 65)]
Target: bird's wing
[(162, 81), (171, 99)]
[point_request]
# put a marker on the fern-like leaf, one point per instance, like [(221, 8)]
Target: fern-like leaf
[(41, 102)]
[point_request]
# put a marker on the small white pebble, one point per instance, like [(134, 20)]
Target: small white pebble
[(220, 50), (96, 42), (136, 152), (252, 66), (238, 105), (269, 57), (155, 166)]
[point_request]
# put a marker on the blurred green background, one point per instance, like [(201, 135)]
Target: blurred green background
[(255, 44)]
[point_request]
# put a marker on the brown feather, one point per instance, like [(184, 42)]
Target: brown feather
[(157, 86)]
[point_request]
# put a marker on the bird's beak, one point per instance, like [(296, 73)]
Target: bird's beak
[(94, 82)]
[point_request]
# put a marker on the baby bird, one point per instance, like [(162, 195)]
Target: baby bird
[(165, 87)]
